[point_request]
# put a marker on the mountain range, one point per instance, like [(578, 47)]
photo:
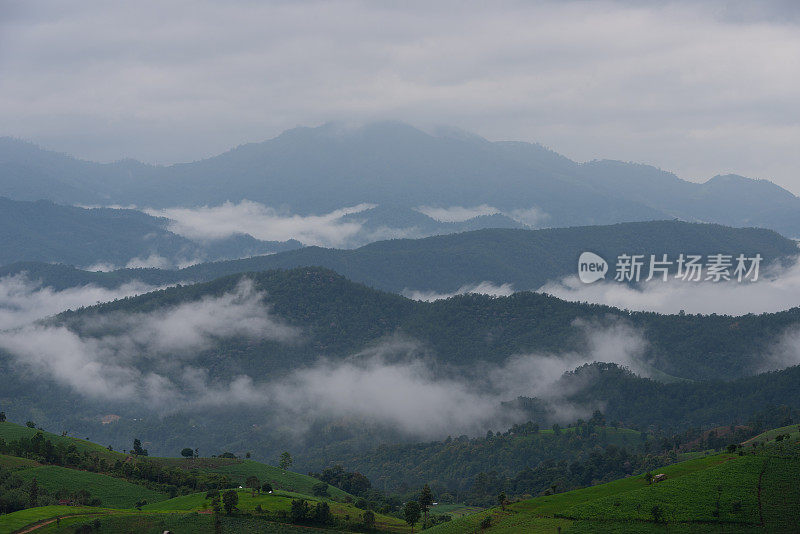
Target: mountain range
[(401, 168), (525, 259)]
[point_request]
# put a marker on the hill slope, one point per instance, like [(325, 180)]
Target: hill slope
[(46, 232), (744, 493), (526, 259)]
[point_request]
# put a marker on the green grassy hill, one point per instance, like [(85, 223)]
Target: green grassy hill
[(752, 492), (238, 470), (112, 492), (11, 431)]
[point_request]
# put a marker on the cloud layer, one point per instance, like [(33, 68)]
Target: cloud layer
[(23, 301), (777, 289), (262, 222), (103, 355)]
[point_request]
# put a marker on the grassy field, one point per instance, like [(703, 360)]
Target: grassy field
[(769, 435), (716, 493), (277, 501), (239, 470), (18, 520), (13, 463), (178, 523), (454, 510), (12, 431), (112, 492)]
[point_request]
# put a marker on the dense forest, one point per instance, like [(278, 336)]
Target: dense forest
[(527, 259)]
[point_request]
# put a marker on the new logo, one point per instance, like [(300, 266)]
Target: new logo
[(591, 267)]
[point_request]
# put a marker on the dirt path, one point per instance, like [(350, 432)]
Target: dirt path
[(37, 526), (45, 522)]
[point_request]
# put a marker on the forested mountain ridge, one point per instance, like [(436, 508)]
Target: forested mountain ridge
[(46, 232), (340, 317), (526, 259), (398, 165)]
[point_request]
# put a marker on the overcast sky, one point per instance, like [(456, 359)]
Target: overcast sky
[(698, 88)]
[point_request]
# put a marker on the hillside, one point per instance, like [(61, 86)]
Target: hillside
[(46, 232), (752, 491), (45, 477), (341, 317), (526, 259), (395, 164)]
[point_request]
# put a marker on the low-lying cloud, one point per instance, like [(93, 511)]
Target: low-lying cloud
[(482, 288), (210, 223), (777, 289), (396, 383), (23, 301), (457, 213), (102, 356)]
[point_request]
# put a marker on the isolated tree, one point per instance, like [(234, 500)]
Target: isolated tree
[(33, 492), (2, 417), (229, 500), (368, 520), (299, 510), (137, 448), (425, 500), (253, 483), (187, 453), (266, 487), (322, 513), (30, 424), (412, 513), (501, 500), (648, 477), (286, 460), (320, 489)]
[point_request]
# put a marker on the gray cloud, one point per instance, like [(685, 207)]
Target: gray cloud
[(777, 289), (262, 222), (457, 213), (395, 383), (106, 365), (482, 288), (23, 301), (696, 87)]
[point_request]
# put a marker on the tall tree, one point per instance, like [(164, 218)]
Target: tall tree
[(253, 483), (286, 460), (425, 501), (229, 500), (412, 513)]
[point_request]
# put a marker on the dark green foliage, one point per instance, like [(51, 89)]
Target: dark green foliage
[(412, 513), (137, 448), (352, 482), (300, 511), (322, 514), (320, 489), (368, 519), (229, 500)]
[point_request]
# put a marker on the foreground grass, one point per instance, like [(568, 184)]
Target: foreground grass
[(112, 492), (625, 505), (18, 520)]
